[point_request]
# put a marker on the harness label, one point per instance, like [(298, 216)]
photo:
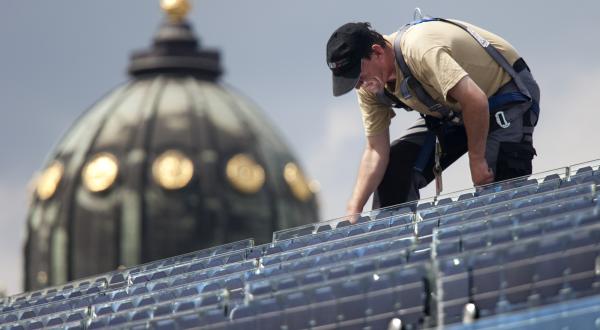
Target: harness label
[(482, 41), (501, 120)]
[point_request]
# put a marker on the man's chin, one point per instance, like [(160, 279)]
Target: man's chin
[(375, 90)]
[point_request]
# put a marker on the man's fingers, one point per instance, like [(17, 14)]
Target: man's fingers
[(490, 175), (353, 218), (485, 178)]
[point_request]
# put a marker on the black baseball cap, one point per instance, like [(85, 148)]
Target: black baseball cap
[(345, 48)]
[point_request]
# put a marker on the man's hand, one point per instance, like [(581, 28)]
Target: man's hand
[(352, 213), (480, 172)]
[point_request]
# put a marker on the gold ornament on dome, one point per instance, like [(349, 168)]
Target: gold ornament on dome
[(172, 170), (297, 182), (175, 9), (100, 172), (245, 174), (49, 180)]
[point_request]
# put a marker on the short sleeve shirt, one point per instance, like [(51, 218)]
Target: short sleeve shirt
[(439, 55)]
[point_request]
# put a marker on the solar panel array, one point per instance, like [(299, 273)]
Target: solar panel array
[(468, 260)]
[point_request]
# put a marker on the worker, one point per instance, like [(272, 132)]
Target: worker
[(472, 90)]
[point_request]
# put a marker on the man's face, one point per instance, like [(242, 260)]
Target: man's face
[(372, 77)]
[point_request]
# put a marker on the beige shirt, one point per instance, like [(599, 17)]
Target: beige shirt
[(439, 55)]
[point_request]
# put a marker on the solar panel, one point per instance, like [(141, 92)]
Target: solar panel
[(490, 255)]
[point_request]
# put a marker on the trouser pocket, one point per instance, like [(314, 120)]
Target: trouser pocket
[(514, 160)]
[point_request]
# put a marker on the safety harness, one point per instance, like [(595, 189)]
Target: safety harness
[(436, 127)]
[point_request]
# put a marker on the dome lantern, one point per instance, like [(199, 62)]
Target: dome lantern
[(176, 49)]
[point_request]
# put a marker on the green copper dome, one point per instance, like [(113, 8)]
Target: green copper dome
[(172, 161)]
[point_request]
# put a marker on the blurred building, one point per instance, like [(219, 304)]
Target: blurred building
[(171, 162)]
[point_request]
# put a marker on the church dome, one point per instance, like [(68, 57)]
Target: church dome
[(170, 162)]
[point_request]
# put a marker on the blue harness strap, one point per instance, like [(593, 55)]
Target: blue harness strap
[(425, 152), (535, 108), (498, 101)]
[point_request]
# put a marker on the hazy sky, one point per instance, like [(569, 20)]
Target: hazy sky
[(58, 57)]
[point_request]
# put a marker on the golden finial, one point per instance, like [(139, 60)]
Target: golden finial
[(175, 9)]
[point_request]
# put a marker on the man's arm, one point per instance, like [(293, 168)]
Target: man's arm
[(372, 168), (476, 116)]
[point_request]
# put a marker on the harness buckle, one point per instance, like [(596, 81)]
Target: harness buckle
[(501, 119)]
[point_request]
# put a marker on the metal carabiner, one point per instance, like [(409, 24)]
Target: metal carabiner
[(417, 15), (501, 119)]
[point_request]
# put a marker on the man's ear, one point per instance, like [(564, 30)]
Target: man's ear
[(377, 49)]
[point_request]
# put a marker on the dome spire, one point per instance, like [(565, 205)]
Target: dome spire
[(176, 49), (176, 10)]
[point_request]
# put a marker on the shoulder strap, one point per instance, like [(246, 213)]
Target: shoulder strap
[(409, 79)]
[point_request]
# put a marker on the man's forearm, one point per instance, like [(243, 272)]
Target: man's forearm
[(475, 112), (476, 120), (371, 171)]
